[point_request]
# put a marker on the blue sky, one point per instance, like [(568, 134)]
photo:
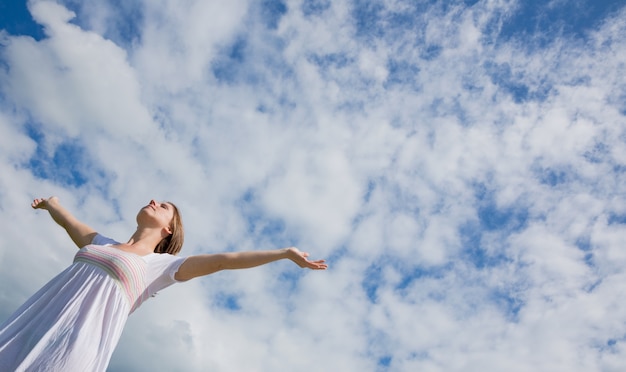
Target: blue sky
[(17, 20), (460, 164)]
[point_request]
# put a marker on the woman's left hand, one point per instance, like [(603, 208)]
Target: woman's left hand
[(301, 259)]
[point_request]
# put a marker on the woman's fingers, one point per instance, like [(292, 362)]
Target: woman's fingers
[(302, 260), (38, 203)]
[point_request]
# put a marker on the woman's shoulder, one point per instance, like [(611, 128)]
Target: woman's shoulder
[(163, 257), (103, 240)]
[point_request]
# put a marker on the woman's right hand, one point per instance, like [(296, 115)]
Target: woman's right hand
[(80, 233), (42, 203)]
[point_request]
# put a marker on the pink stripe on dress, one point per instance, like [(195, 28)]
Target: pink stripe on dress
[(128, 269)]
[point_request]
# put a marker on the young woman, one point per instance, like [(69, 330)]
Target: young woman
[(74, 322)]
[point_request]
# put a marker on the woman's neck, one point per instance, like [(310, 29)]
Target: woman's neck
[(143, 241)]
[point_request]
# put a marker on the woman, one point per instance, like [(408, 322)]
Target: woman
[(75, 321)]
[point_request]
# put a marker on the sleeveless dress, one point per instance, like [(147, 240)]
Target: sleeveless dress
[(74, 322)]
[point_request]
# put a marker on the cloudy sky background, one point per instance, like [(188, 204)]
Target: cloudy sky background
[(460, 164)]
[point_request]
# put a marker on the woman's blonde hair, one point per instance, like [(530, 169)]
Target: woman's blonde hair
[(174, 242)]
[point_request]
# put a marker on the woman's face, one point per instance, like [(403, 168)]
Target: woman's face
[(156, 214)]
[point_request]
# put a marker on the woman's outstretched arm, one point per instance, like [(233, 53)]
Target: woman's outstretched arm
[(80, 233), (206, 264)]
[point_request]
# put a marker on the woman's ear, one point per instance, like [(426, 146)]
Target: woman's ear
[(167, 230)]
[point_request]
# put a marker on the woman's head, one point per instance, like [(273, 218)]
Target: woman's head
[(172, 243)]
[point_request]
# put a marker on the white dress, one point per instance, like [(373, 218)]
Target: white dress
[(74, 322)]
